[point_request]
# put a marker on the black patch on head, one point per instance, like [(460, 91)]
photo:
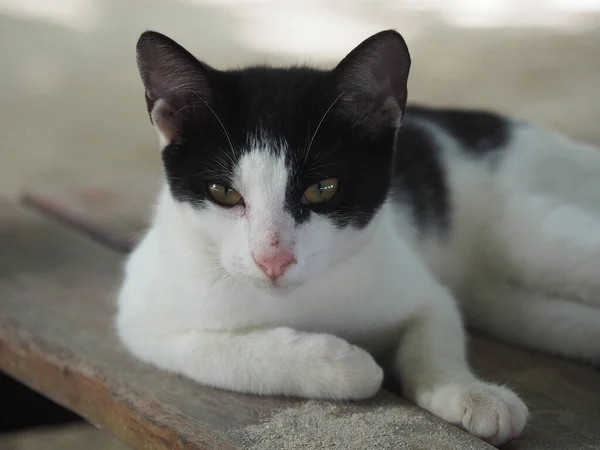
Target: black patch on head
[(420, 179), (338, 123), (359, 161), (479, 132), (258, 103)]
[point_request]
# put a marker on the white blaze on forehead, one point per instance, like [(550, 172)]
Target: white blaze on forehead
[(262, 178)]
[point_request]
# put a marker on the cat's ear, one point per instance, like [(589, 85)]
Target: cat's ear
[(371, 82), (177, 85)]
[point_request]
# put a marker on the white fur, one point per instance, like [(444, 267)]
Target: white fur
[(193, 300)]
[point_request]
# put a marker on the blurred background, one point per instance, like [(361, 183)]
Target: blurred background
[(72, 107)]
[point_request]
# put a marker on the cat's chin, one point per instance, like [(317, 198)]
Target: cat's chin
[(275, 288)]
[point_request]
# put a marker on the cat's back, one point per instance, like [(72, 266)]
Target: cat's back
[(442, 152), (458, 173), (445, 182), (479, 133)]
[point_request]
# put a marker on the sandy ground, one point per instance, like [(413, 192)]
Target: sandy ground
[(71, 105)]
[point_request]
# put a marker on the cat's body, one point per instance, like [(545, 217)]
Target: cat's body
[(517, 238), (261, 290)]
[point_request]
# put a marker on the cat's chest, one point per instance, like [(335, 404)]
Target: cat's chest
[(364, 298), (325, 303), (363, 314), (364, 303)]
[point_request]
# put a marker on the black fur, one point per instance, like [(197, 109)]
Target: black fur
[(308, 109), (419, 173), (480, 132), (287, 103), (419, 178), (354, 142)]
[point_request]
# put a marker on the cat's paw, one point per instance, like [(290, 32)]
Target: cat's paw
[(332, 368), (490, 412)]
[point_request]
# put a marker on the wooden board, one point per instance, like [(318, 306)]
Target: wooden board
[(56, 335), (564, 396), (114, 211)]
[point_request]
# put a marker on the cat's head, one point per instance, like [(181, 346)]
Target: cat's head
[(280, 171)]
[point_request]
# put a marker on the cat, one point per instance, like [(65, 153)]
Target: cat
[(311, 224)]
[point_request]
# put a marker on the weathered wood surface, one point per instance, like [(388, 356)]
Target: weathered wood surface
[(113, 211), (564, 396), (56, 335)]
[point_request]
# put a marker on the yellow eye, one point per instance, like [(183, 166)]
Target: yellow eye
[(322, 191), (224, 195)]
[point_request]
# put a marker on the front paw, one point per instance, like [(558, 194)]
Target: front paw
[(331, 368), (492, 413)]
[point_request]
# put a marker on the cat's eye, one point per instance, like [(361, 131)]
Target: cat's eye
[(322, 191), (224, 195)]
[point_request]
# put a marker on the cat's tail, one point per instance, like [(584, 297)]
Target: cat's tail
[(550, 324)]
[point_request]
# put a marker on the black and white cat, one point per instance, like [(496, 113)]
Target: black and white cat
[(309, 220)]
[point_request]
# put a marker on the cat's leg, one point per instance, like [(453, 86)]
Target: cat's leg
[(550, 247), (534, 320), (277, 361), (432, 367)]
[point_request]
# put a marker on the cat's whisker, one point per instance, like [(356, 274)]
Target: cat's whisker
[(319, 125), (189, 105), (306, 139), (325, 154), (225, 276), (314, 171), (320, 157), (218, 120), (214, 259), (195, 174), (226, 159)]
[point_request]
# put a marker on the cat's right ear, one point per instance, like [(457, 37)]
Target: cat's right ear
[(370, 83), (177, 84)]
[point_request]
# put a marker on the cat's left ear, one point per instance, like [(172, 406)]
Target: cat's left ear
[(371, 82)]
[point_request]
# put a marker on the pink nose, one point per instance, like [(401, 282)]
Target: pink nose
[(274, 266)]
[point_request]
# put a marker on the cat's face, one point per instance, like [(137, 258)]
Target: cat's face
[(281, 172)]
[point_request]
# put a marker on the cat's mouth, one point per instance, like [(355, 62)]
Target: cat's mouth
[(276, 288)]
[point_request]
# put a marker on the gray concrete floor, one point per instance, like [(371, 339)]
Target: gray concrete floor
[(71, 104)]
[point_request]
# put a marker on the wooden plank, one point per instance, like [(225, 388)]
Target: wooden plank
[(56, 335), (564, 396), (113, 211)]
